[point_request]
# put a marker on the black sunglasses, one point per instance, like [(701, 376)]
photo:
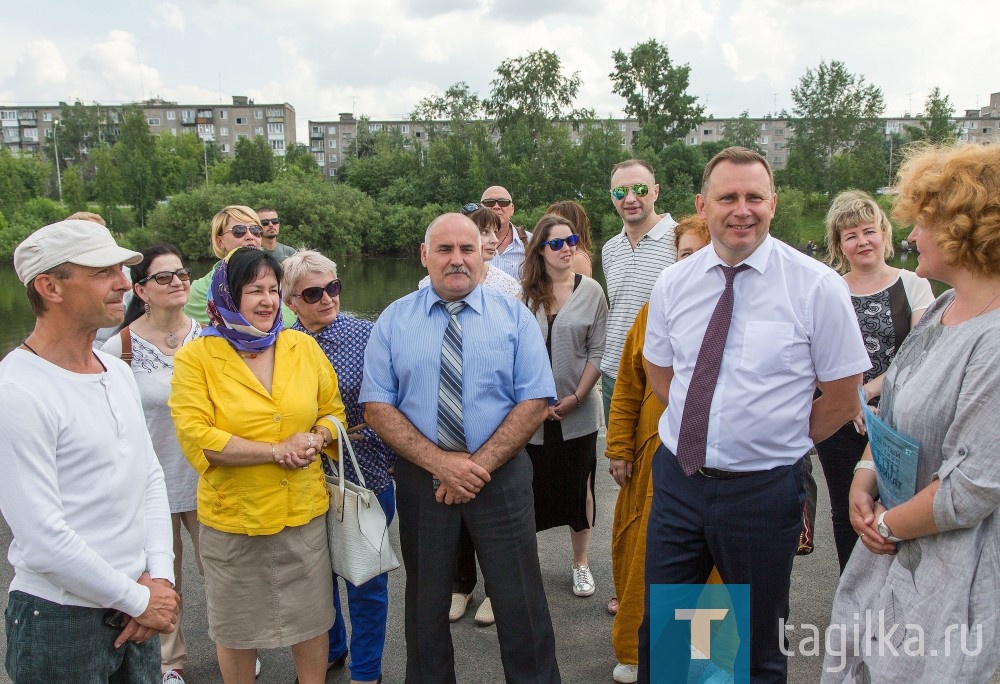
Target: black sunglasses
[(311, 295), (470, 207), (556, 244), (267, 222), (490, 202), (240, 230), (167, 277)]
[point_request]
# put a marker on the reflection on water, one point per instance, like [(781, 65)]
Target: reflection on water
[(370, 284)]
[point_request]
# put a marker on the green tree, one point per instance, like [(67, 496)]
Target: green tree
[(73, 193), (531, 89), (299, 160), (253, 160), (743, 131), (182, 161), (936, 125), (390, 159), (21, 178), (135, 155), (836, 115), (655, 92), (448, 113), (108, 187)]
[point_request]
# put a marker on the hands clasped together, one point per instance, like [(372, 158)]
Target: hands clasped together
[(864, 512), (160, 614), (461, 478), (298, 451)]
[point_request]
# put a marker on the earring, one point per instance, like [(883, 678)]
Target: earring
[(145, 307)]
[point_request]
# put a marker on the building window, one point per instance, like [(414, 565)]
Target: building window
[(171, 116), (187, 116), (331, 130), (8, 115), (777, 159), (276, 129), (986, 130), (275, 112), (30, 135), (206, 130), (420, 134), (332, 144), (258, 113), (223, 114), (259, 130), (622, 127), (224, 131), (779, 131), (777, 145), (333, 171), (153, 121), (331, 157), (225, 148), (318, 156), (764, 139), (763, 125), (278, 145), (707, 131), (46, 116), (374, 127), (241, 121), (693, 140), (623, 141), (241, 136), (404, 129)]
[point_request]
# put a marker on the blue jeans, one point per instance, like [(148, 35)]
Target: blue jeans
[(369, 608), (48, 642)]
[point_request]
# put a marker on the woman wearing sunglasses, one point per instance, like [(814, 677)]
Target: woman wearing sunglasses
[(234, 226), (572, 313), (577, 217), (313, 293), (154, 328), (253, 403)]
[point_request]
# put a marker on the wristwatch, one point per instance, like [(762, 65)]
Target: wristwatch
[(884, 530)]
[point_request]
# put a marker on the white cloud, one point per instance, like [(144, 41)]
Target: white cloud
[(168, 15)]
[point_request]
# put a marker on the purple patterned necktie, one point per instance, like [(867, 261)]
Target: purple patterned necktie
[(694, 421)]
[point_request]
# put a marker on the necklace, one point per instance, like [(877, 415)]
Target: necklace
[(505, 234), (25, 345), (950, 304), (246, 355), (170, 339)]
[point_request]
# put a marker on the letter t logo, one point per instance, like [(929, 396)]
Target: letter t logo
[(701, 628)]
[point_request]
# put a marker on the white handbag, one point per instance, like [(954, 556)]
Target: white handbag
[(355, 524)]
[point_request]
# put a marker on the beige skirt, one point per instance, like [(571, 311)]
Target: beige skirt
[(267, 591)]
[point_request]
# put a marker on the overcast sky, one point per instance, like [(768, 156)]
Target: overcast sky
[(379, 57)]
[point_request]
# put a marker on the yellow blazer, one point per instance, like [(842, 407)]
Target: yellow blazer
[(215, 396)]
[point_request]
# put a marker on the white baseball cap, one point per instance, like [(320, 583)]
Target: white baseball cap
[(84, 243)]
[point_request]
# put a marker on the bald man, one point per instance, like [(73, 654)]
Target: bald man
[(510, 250)]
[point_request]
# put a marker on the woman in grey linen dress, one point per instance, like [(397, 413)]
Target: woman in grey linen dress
[(926, 610)]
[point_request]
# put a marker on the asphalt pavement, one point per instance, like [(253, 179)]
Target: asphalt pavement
[(582, 625)]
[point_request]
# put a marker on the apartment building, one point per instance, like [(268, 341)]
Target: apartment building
[(24, 128)]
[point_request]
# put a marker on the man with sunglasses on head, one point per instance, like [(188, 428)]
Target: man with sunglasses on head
[(82, 491), (510, 249), (632, 260), (271, 224)]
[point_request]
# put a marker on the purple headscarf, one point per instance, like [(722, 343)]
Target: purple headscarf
[(226, 320)]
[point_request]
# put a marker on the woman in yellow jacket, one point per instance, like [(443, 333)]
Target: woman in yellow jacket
[(251, 403)]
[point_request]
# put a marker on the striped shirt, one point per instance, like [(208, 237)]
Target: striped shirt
[(631, 274), (511, 259)]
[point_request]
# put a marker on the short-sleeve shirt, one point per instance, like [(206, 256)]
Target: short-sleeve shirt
[(792, 325), (504, 361), (512, 258), (630, 275)]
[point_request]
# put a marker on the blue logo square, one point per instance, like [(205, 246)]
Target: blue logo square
[(699, 633)]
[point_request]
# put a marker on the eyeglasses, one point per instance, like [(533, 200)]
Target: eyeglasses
[(639, 190), (240, 230), (267, 222), (311, 295), (167, 277), (470, 207), (490, 202), (556, 244)]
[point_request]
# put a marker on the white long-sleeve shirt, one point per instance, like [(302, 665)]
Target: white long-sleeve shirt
[(80, 485)]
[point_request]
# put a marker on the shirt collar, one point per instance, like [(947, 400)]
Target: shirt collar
[(657, 232), (757, 260), (474, 300)]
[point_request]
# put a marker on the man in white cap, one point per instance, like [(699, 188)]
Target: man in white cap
[(82, 490)]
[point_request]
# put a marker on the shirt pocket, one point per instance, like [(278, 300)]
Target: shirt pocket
[(767, 347)]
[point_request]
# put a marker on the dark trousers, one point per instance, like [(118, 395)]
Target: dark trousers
[(501, 522), (748, 527), (48, 642), (465, 575), (838, 454)]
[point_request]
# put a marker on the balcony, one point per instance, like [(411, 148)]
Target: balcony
[(316, 133), (276, 119)]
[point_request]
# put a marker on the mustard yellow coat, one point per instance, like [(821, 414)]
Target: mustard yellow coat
[(215, 396), (633, 436)]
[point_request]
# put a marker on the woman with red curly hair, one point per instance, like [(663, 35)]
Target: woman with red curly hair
[(917, 600)]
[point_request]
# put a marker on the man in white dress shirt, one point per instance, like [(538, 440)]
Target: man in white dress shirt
[(791, 329)]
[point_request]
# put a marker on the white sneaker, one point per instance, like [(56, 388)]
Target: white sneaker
[(459, 602), (484, 616), (256, 669), (583, 581), (625, 674), (172, 677)]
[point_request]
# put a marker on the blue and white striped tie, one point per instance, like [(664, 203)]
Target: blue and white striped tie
[(451, 427)]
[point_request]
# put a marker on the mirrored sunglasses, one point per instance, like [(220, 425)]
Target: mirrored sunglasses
[(557, 244), (267, 222), (167, 277), (490, 202), (311, 295), (470, 207), (240, 230), (639, 190)]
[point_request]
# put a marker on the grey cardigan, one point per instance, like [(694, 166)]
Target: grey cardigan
[(577, 339)]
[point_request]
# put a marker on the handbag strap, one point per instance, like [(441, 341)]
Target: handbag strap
[(344, 441)]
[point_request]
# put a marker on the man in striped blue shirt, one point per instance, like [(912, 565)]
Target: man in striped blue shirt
[(506, 388), (632, 260)]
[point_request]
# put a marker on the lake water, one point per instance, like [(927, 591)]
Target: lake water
[(370, 284)]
